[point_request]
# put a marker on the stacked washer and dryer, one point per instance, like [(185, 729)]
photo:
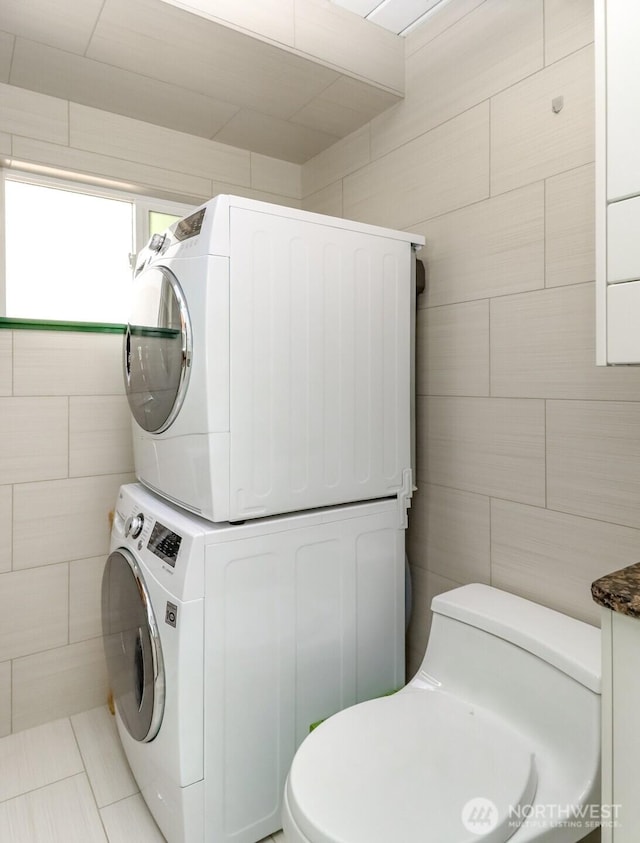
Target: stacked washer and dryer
[(255, 584)]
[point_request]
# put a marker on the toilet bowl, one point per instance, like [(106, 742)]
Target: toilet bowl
[(496, 738)]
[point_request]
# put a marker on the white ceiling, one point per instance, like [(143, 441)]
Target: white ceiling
[(399, 16), (154, 62)]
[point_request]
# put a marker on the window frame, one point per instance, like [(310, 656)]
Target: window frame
[(142, 204)]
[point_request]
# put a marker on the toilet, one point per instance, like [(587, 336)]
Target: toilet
[(496, 738)]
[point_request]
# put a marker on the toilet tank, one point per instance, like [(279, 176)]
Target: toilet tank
[(533, 667)]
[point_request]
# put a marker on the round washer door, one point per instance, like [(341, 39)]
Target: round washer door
[(157, 350), (132, 647)]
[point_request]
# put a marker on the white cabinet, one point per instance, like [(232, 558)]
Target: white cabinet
[(617, 34), (620, 727)]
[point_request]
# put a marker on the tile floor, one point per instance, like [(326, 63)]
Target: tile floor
[(69, 782)]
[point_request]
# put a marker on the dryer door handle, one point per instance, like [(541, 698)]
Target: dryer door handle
[(127, 355), (139, 668)]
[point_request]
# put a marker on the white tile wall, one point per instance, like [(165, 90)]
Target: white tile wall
[(6, 521), (121, 137), (494, 446), (502, 190), (62, 520), (85, 608), (153, 180), (33, 115), (570, 227), (443, 169), (490, 49), (453, 349), (6, 364), (327, 200), (5, 143), (5, 698), (343, 157), (67, 363), (568, 26), (35, 615), (452, 534), (532, 547), (99, 435), (528, 140), (593, 459), (543, 346), (65, 430), (58, 682), (486, 249), (527, 453), (27, 453)]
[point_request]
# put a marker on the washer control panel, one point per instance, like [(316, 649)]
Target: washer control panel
[(167, 543), (164, 543)]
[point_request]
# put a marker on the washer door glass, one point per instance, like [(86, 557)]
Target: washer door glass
[(157, 350), (132, 647)]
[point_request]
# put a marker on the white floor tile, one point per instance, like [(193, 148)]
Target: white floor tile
[(129, 820), (103, 756), (61, 812), (53, 792), (35, 758)]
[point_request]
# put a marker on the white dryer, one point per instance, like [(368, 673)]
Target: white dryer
[(268, 361), (226, 643)]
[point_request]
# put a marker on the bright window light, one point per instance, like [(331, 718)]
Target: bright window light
[(67, 254)]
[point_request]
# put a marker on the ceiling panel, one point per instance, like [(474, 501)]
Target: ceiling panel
[(358, 7), (394, 15), (6, 51), (167, 67), (397, 15), (344, 106), (68, 27), (158, 40), (88, 82), (273, 137)]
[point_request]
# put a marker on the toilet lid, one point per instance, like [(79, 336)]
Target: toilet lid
[(419, 766)]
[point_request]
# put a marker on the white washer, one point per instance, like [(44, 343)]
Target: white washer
[(268, 361), (226, 643)]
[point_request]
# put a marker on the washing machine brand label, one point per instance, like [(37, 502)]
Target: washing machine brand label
[(171, 614)]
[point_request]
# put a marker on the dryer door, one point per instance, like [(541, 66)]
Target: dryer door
[(132, 647), (157, 349)]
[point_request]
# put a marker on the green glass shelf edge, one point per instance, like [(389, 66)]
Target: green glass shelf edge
[(9, 324)]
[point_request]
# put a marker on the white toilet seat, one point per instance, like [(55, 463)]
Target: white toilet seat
[(403, 768)]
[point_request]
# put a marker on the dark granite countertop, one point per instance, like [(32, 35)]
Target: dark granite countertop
[(619, 591)]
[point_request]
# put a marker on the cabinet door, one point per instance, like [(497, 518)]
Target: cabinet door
[(625, 654), (623, 323), (623, 241), (623, 97)]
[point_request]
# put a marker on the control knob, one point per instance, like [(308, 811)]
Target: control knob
[(133, 525)]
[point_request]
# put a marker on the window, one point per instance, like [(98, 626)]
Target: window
[(69, 249)]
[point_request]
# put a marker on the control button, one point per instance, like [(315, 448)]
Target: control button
[(171, 614), (157, 242)]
